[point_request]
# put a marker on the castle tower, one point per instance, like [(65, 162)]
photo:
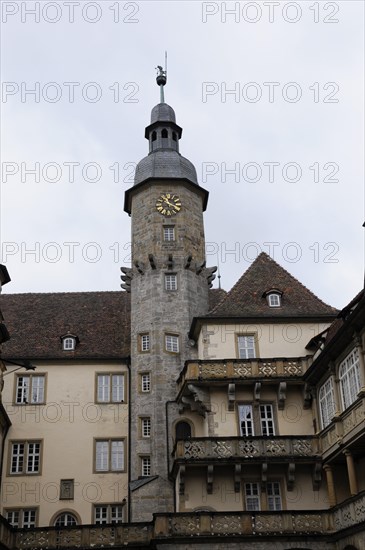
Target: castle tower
[(169, 285)]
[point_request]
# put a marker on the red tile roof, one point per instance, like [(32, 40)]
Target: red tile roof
[(246, 298), (101, 321)]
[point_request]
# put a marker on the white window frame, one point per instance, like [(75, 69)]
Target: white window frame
[(146, 382), (252, 497), (109, 455), (350, 381), (25, 457), (246, 346), (110, 387), (326, 402), (273, 493), (65, 519), (68, 343), (26, 518), (170, 282), (146, 426), (108, 513), (168, 233), (145, 342), (30, 389), (267, 420), (246, 422), (145, 466), (172, 344), (274, 299)]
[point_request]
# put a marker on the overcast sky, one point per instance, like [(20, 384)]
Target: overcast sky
[(281, 155)]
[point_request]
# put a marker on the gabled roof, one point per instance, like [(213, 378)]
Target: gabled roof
[(101, 321), (246, 298)]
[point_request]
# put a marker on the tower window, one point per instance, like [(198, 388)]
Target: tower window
[(145, 382), (146, 427), (169, 233), (164, 133), (172, 343), (171, 282), (144, 342), (145, 466), (154, 136)]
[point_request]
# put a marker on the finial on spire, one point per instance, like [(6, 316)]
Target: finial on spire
[(161, 79)]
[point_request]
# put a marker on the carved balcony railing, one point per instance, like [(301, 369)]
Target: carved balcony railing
[(235, 369), (343, 428), (256, 447), (330, 524)]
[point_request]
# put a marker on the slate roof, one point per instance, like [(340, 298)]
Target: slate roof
[(165, 164), (246, 298), (101, 321)]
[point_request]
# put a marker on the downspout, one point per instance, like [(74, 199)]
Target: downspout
[(129, 438), (167, 447)]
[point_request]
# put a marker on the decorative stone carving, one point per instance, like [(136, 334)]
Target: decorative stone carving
[(267, 368), (248, 449), (227, 524), (242, 369), (293, 368)]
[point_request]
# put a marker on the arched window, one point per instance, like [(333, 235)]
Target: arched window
[(154, 136), (183, 430), (65, 520), (69, 343), (349, 374), (164, 133)]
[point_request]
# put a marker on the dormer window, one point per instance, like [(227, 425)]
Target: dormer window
[(69, 342), (273, 297)]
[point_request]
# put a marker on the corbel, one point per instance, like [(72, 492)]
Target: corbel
[(140, 267), (210, 472), (281, 395), (152, 261), (308, 397), (237, 477), (290, 477), (317, 476), (188, 262), (199, 267), (257, 391), (231, 396), (182, 480), (264, 476)]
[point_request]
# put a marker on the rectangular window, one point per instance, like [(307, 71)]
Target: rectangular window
[(326, 400), (172, 343), (267, 420), (273, 496), (246, 347), (22, 517), (168, 233), (246, 420), (349, 374), (146, 382), (25, 457), (109, 455), (171, 282), (110, 388), (108, 513), (146, 427), (252, 497), (29, 389), (145, 466), (145, 342)]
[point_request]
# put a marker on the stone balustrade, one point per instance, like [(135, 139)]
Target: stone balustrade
[(207, 448), (238, 369), (179, 526), (342, 427)]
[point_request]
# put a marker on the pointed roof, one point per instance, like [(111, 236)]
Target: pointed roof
[(247, 297)]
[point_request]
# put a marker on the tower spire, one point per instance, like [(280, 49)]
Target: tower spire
[(161, 79)]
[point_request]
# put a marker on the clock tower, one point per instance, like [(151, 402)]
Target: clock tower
[(169, 283)]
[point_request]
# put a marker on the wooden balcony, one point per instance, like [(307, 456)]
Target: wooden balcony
[(326, 525), (208, 449)]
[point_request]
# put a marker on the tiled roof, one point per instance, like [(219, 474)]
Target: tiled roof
[(216, 295), (101, 321), (246, 298)]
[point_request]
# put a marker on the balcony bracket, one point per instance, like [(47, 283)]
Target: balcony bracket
[(281, 395), (210, 472), (182, 480), (237, 478), (231, 396), (291, 477), (317, 476), (308, 396), (198, 400), (264, 476), (256, 391)]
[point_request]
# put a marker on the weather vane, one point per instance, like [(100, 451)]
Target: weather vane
[(161, 79)]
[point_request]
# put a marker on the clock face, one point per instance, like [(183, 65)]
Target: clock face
[(168, 204)]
